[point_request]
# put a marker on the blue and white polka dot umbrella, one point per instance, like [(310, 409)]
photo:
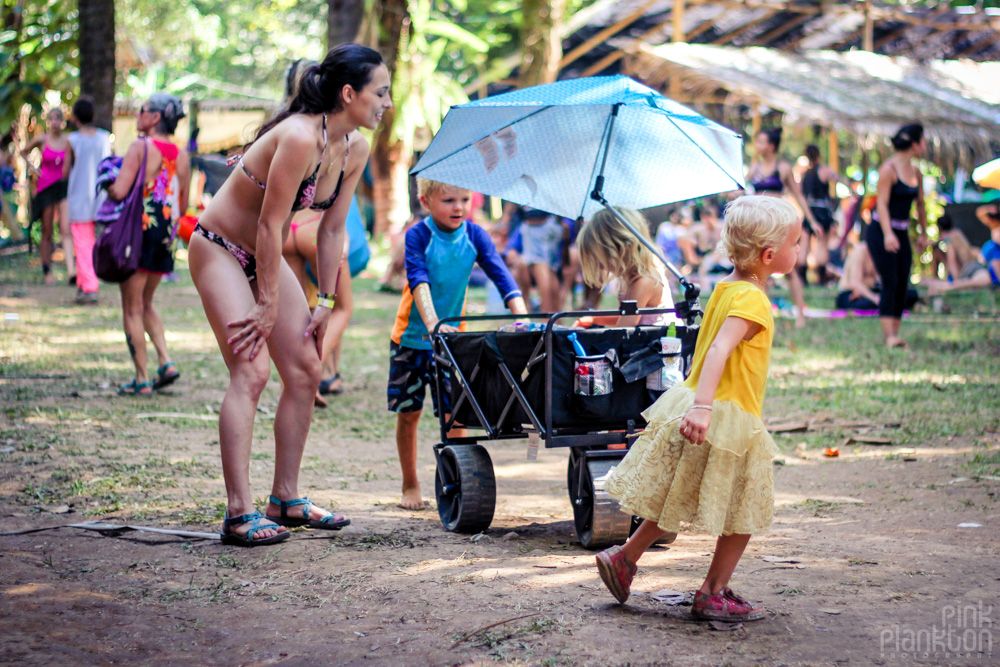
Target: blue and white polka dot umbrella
[(546, 147)]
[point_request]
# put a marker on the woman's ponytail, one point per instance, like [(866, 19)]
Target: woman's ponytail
[(319, 87)]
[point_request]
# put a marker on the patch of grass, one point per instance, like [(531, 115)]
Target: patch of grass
[(818, 508), (984, 464), (789, 592)]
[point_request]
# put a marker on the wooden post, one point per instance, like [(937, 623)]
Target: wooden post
[(678, 36), (678, 17), (868, 42), (834, 158), (865, 166)]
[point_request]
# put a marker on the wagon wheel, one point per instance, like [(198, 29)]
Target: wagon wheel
[(466, 488), (599, 521)]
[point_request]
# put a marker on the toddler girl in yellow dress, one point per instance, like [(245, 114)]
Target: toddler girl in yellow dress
[(713, 473)]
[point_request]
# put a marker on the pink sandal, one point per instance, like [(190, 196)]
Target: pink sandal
[(725, 606), (616, 572)]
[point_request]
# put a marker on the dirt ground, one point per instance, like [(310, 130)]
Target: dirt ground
[(875, 557)]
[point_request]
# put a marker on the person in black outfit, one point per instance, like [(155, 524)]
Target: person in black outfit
[(899, 186), (816, 189)]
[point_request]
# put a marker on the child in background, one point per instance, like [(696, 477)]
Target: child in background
[(609, 250), (542, 238), (667, 236), (440, 252), (8, 180), (713, 474), (90, 145)]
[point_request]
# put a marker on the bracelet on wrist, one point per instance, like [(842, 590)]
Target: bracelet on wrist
[(701, 407), (326, 300)]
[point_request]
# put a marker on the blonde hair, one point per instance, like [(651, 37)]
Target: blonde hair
[(754, 223), (608, 249), (429, 188)]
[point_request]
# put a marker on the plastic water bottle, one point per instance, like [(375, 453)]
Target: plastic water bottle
[(670, 373)]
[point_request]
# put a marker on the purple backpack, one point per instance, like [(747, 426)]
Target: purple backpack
[(117, 251)]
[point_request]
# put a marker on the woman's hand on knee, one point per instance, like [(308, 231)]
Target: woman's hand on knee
[(254, 330), (317, 327)]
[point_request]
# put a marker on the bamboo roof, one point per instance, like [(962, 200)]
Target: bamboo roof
[(870, 95), (922, 31)]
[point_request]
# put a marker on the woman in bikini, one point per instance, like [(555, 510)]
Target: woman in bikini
[(769, 175), (299, 251), (309, 155)]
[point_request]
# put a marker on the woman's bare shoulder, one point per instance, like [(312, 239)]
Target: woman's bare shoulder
[(359, 146)]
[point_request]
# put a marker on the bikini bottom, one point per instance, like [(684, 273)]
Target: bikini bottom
[(247, 261)]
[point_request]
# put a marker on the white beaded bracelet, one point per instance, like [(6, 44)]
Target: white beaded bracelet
[(701, 407)]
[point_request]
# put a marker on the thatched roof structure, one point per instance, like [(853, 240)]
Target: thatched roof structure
[(921, 31), (867, 94)]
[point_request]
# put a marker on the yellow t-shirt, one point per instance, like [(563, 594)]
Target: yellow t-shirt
[(745, 375)]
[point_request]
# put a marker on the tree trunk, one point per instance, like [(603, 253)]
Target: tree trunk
[(391, 155), (541, 42), (343, 21), (97, 57)]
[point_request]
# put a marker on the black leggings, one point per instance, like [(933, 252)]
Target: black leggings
[(893, 268)]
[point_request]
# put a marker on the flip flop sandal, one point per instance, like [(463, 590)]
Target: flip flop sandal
[(247, 539), (135, 388), (324, 386), (329, 522), (163, 378)]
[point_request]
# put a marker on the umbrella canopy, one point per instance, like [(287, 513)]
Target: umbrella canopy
[(545, 147), (988, 175)]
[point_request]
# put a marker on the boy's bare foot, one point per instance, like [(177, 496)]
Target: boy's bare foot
[(896, 341), (800, 321), (411, 499)]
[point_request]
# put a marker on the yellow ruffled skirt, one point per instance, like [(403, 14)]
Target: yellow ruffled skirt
[(720, 487)]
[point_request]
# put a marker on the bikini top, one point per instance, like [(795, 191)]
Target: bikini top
[(770, 183), (306, 196)]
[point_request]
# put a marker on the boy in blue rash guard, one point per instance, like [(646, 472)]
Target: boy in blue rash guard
[(440, 252)]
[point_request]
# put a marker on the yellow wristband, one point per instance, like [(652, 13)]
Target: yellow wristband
[(325, 301)]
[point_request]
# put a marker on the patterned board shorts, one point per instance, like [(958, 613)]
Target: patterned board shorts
[(410, 372)]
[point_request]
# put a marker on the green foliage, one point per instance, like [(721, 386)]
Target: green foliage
[(38, 53), (234, 48)]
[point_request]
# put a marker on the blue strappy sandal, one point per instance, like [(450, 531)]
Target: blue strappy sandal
[(135, 388), (329, 522), (325, 386), (163, 378), (247, 539)]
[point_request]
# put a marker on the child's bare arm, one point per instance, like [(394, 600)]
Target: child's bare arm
[(425, 306), (643, 291), (695, 424)]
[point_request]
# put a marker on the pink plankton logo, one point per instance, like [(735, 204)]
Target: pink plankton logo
[(965, 632)]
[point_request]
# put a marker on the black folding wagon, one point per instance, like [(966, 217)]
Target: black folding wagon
[(529, 382)]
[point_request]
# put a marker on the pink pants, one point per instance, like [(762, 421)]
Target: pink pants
[(83, 243)]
